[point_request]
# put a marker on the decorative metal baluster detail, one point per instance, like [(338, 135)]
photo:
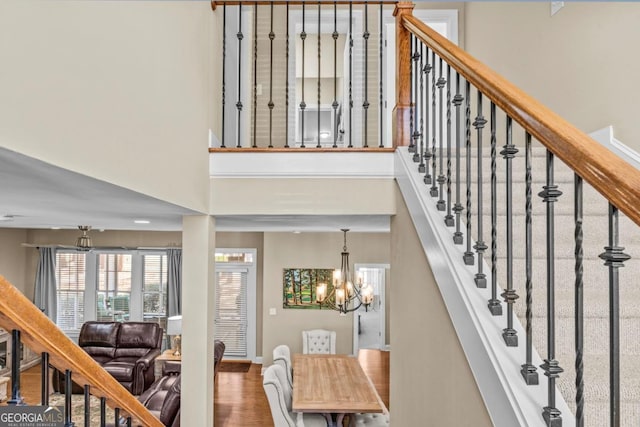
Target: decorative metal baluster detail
[(128, 421), (448, 219), (509, 152), (272, 36), (381, 62), (103, 411), (116, 414), (318, 145), (350, 75), (457, 207), (433, 191), (528, 371), (87, 405), (468, 255), (614, 258), (286, 84), (303, 105), (440, 205), (480, 246), (68, 384), (425, 94), (255, 71), (551, 367), (44, 375), (420, 99), (240, 36), (495, 306), (416, 71), (365, 104), (16, 398), (334, 35), (579, 294), (412, 91), (224, 62)]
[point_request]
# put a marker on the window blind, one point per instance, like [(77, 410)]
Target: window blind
[(70, 271), (231, 311)]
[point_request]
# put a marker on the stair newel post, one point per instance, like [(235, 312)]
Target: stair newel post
[(509, 152), (495, 306), (87, 405), (420, 151), (528, 371), (44, 378), (433, 191), (440, 205), (480, 246), (468, 254), (103, 412), (428, 67), (402, 108), (448, 219), (16, 398), (415, 69), (68, 384), (303, 105), (614, 258), (579, 294), (271, 104), (239, 36), (551, 367), (457, 208)]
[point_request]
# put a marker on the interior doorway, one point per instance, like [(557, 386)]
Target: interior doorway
[(369, 325)]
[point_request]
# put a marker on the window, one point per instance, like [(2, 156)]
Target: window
[(70, 275), (114, 287), (154, 289)]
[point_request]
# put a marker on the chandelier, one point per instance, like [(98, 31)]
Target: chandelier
[(344, 296)]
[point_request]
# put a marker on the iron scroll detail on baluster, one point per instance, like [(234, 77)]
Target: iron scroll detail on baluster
[(457, 207), (480, 278), (494, 304)]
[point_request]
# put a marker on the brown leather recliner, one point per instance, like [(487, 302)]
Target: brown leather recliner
[(126, 350), (162, 399)]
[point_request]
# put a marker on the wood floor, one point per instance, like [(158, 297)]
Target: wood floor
[(239, 399)]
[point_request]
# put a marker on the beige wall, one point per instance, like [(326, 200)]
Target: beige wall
[(431, 382), (96, 87), (579, 62), (307, 250), (13, 260)]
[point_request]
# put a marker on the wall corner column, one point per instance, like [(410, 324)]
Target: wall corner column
[(198, 306), (402, 108)]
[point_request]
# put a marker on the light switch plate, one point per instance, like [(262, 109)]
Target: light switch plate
[(272, 311), (556, 6)]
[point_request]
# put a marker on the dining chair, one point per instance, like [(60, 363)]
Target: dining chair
[(280, 397), (319, 341), (282, 357)]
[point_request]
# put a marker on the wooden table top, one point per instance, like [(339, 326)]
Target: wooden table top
[(168, 355), (332, 383)]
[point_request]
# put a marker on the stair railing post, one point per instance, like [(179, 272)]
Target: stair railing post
[(403, 75)]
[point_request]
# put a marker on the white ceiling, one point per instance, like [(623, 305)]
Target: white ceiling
[(35, 194)]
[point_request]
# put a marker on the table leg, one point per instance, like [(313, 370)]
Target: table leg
[(329, 420), (339, 418)]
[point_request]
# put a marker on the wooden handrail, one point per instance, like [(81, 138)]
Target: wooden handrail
[(610, 175), (40, 334)]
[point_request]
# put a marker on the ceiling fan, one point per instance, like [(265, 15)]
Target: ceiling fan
[(83, 242)]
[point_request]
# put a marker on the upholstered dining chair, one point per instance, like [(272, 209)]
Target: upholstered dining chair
[(319, 341), (282, 357), (280, 397)]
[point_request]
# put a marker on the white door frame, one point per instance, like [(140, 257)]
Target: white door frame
[(382, 299)]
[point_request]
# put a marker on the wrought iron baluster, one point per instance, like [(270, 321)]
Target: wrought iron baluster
[(440, 205), (303, 105), (87, 406), (509, 152), (457, 208), (495, 306), (416, 71), (448, 219), (528, 371), (420, 100), (614, 258), (381, 63), (579, 294), (480, 246), (318, 145), (255, 71), (468, 254), (334, 35), (103, 412), (350, 75), (425, 94), (272, 36), (44, 381), (240, 36), (224, 62), (286, 84), (16, 398), (412, 91), (116, 415), (551, 367), (365, 104), (433, 191), (68, 384), (128, 421)]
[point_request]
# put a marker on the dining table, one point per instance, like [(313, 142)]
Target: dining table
[(332, 384)]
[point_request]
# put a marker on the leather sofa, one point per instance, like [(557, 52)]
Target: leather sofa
[(126, 350), (162, 399), (218, 353)]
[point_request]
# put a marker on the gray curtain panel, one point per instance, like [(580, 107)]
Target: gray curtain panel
[(174, 281), (45, 290)]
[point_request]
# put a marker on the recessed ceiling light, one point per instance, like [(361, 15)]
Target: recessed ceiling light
[(55, 228), (142, 221), (297, 232)]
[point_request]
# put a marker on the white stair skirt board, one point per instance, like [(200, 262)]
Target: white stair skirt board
[(496, 367)]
